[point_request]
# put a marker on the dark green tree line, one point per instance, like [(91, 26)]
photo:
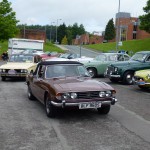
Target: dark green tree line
[(62, 30)]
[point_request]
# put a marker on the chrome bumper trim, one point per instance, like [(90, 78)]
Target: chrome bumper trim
[(63, 104)]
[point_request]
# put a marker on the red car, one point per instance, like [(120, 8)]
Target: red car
[(48, 55), (62, 84)]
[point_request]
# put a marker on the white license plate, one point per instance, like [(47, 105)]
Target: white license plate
[(12, 72), (86, 105)]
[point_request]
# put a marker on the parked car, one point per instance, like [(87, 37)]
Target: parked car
[(71, 57), (67, 84), (18, 65), (124, 71), (98, 65), (49, 55), (142, 78)]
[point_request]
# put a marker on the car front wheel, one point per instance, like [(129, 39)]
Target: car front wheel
[(92, 72), (128, 78), (30, 95), (49, 108), (104, 109)]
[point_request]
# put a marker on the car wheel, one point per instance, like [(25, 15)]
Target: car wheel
[(104, 109), (3, 78), (49, 108), (30, 95), (128, 78), (92, 72)]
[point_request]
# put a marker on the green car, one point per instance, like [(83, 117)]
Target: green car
[(142, 78), (98, 65), (124, 71)]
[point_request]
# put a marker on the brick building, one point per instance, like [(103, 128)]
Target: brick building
[(33, 34), (127, 27)]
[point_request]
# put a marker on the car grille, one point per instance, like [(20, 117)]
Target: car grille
[(88, 95), (16, 70), (110, 69), (136, 78)]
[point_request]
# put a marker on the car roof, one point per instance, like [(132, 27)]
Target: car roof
[(23, 54), (144, 52), (58, 62)]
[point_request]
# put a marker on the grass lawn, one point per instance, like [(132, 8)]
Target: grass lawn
[(130, 46)]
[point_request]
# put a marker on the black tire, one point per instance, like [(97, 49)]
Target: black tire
[(128, 78), (49, 108), (92, 72), (30, 95), (3, 78), (104, 110)]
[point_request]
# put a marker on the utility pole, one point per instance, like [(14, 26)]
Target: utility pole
[(117, 28), (56, 31)]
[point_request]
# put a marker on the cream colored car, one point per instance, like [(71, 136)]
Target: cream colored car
[(19, 65)]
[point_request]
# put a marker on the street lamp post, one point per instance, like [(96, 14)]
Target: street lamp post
[(56, 30), (51, 31), (117, 28)]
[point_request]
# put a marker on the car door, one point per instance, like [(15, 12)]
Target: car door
[(38, 81)]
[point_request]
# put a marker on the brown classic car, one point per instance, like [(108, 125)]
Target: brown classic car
[(62, 84)]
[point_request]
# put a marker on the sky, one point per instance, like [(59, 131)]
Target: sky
[(93, 14)]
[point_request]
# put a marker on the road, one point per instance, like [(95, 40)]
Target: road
[(81, 50), (25, 126)]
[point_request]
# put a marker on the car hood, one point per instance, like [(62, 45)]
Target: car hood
[(80, 84), (142, 73), (125, 63), (15, 65)]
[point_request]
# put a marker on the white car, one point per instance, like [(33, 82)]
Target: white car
[(71, 57)]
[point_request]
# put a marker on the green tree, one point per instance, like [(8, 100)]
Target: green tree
[(61, 32), (8, 28), (64, 40), (145, 19), (109, 30)]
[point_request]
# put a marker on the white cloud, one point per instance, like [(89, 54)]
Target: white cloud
[(93, 14)]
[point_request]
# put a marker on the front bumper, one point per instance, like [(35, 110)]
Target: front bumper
[(13, 75), (64, 104)]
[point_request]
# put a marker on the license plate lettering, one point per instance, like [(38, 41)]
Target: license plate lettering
[(87, 105)]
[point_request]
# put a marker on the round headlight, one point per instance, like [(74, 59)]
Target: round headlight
[(108, 93), (66, 96), (73, 95), (102, 94), (3, 70), (116, 69)]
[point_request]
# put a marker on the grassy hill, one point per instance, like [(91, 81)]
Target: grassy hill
[(130, 46), (47, 47)]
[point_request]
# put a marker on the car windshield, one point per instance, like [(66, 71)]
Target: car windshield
[(138, 57), (61, 70), (103, 57), (21, 58)]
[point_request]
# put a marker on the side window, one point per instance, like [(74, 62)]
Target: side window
[(41, 71), (148, 59)]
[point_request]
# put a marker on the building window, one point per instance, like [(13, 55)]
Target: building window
[(134, 35)]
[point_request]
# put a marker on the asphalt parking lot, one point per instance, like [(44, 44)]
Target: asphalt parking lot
[(25, 126)]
